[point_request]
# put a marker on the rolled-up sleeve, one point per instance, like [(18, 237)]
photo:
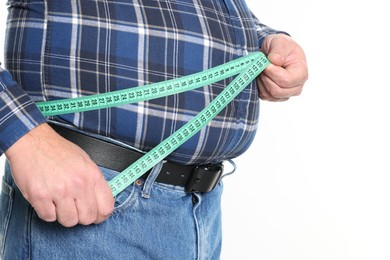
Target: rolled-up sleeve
[(18, 113)]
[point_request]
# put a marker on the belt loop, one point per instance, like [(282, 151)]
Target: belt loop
[(151, 179)]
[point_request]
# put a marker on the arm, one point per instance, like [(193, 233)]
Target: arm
[(58, 178)]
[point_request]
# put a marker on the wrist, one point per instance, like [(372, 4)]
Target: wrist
[(29, 142)]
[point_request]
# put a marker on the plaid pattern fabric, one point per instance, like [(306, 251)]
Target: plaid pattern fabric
[(61, 49)]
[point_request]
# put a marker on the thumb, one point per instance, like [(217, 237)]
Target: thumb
[(275, 46)]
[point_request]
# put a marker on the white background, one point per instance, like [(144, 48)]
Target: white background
[(315, 183)]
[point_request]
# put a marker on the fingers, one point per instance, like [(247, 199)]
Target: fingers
[(105, 200), (66, 211), (278, 84), (86, 207), (287, 73), (91, 201), (46, 210), (83, 202), (274, 94), (286, 77)]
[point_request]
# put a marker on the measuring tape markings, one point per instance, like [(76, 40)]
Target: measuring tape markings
[(248, 67), (146, 92)]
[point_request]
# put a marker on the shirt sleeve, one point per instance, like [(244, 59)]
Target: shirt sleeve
[(264, 30), (18, 113)]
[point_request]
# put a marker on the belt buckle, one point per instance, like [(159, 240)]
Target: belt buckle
[(204, 178)]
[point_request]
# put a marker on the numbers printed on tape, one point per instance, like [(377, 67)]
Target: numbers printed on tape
[(246, 68), (147, 92)]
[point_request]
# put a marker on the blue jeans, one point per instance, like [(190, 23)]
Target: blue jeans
[(150, 221)]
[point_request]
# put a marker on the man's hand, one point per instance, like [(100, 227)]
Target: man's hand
[(59, 179), (288, 71)]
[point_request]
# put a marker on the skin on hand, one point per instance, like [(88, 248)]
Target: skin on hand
[(288, 71), (59, 179)]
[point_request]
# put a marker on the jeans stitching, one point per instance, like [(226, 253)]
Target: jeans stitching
[(8, 191)]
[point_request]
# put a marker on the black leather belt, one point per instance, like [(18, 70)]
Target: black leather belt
[(200, 178)]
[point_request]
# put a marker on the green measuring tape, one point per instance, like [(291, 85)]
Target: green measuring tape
[(246, 68)]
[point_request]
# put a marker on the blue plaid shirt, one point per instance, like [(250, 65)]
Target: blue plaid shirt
[(61, 49)]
